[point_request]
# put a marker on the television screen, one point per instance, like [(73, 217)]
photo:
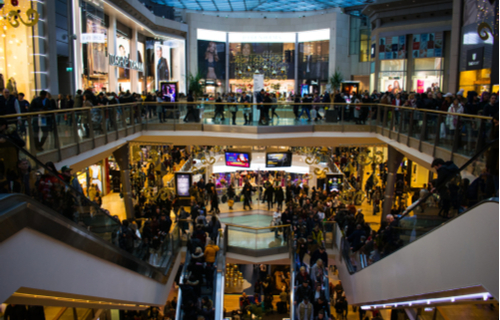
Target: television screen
[(237, 159), (280, 159), (335, 182)]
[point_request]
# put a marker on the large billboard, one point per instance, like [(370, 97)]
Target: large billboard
[(212, 59)]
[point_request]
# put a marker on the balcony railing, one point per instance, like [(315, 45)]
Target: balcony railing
[(59, 134)]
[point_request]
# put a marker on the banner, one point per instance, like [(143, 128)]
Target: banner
[(392, 48), (427, 45), (258, 82)]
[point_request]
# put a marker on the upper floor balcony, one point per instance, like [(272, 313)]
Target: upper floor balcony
[(62, 135)]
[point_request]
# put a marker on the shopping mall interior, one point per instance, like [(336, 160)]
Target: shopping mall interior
[(249, 159)]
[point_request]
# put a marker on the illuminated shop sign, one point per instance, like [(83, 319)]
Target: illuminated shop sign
[(475, 59), (125, 63), (92, 38)]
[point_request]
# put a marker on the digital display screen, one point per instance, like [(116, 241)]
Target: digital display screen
[(237, 159), (182, 184), (280, 159), (168, 91)]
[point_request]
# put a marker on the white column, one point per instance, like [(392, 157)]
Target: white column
[(134, 74), (77, 47), (112, 70)]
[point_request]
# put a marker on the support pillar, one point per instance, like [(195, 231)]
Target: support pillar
[(394, 159), (122, 157)]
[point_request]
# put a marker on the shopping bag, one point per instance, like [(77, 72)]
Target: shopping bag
[(230, 202)]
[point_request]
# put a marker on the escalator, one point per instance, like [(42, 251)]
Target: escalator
[(187, 307), (65, 249), (443, 249)]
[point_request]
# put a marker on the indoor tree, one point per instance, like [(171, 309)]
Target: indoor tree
[(336, 79), (194, 84)]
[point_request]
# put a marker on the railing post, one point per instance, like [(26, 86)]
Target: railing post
[(400, 126), (436, 139), (423, 131), (90, 126), (57, 145), (124, 120), (113, 115), (480, 136), (410, 127), (456, 137), (342, 112), (104, 127), (74, 127), (31, 135), (132, 118), (384, 119)]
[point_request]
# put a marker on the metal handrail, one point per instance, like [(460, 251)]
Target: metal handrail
[(257, 228), (334, 104)]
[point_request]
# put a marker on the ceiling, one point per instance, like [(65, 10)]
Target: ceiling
[(261, 5)]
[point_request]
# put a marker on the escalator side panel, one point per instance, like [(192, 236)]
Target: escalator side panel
[(462, 253)]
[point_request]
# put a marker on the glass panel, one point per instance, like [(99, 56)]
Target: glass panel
[(447, 128), (428, 64), (432, 128), (405, 119), (43, 131), (393, 65), (65, 129), (110, 118), (83, 128), (469, 134), (97, 121), (418, 120)]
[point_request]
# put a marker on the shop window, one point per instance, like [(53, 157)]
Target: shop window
[(475, 80), (392, 76), (364, 45), (17, 53), (428, 74)]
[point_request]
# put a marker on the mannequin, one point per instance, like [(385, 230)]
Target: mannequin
[(12, 86), (94, 173)]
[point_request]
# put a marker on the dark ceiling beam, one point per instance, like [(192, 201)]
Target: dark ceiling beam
[(258, 5), (230, 5), (245, 4), (182, 3), (199, 4), (213, 1)]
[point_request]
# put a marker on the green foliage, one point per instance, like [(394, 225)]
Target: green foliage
[(336, 79), (195, 85)]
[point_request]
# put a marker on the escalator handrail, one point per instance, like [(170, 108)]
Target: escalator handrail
[(53, 224), (179, 314), (220, 285), (463, 167)]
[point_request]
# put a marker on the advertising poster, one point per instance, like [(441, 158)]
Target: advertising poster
[(140, 56), (428, 45), (96, 50), (123, 45), (162, 63), (420, 86), (169, 91), (182, 184), (392, 48), (237, 160), (392, 85), (212, 59), (276, 160)]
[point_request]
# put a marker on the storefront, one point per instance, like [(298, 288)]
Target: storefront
[(476, 54), (95, 179), (19, 55), (392, 76), (135, 60), (272, 55)]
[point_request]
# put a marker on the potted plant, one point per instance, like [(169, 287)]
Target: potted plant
[(336, 80), (194, 84)]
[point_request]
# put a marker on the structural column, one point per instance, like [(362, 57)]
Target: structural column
[(112, 70), (394, 160), (134, 74), (122, 157)]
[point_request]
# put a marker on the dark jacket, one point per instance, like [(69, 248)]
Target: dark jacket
[(316, 255)]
